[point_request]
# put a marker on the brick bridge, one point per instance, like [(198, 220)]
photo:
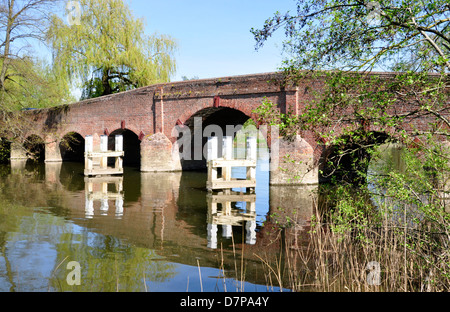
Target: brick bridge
[(147, 117)]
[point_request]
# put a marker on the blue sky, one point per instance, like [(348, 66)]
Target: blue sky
[(214, 38)]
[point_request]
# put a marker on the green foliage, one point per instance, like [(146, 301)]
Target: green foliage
[(351, 214), (33, 84), (269, 113), (351, 114), (109, 51), (5, 149), (354, 35), (352, 38), (353, 111), (25, 81), (398, 211)]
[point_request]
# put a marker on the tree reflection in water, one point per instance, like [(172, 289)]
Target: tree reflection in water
[(144, 231)]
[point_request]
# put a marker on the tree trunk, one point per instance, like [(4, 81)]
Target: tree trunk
[(105, 82), (7, 45)]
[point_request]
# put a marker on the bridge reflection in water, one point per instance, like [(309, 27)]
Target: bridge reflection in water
[(170, 213), (229, 216), (96, 189)]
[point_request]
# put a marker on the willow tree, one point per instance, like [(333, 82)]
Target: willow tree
[(107, 51)]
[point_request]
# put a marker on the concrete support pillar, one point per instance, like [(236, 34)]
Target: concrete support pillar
[(292, 162), (52, 150), (18, 152), (159, 154)]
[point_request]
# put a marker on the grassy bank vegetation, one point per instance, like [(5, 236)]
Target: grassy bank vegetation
[(390, 234)]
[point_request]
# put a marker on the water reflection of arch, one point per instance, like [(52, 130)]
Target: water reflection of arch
[(170, 216), (158, 222), (180, 198)]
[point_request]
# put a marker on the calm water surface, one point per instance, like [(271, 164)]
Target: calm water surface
[(143, 232)]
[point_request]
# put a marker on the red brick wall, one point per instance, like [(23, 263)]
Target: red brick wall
[(149, 110)]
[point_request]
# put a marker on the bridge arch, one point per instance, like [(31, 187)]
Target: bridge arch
[(131, 146), (34, 146), (187, 116), (195, 130), (5, 147), (347, 159), (71, 147)]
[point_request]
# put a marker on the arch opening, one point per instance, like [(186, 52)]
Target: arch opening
[(72, 147), (35, 148), (348, 161), (212, 121), (131, 146), (222, 122), (5, 150)]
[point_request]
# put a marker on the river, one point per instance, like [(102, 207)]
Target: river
[(140, 232)]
